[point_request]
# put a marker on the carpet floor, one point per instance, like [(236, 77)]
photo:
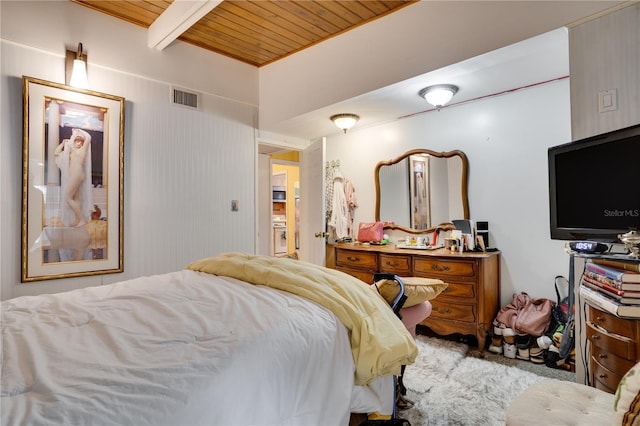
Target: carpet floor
[(451, 387)]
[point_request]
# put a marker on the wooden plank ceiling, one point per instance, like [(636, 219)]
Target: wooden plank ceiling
[(258, 32)]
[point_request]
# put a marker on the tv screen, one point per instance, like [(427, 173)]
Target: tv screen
[(594, 187)]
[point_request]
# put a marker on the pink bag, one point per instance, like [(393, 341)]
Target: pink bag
[(370, 232), (526, 315), (534, 318)]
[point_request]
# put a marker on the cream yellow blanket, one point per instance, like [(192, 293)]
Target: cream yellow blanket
[(379, 341)]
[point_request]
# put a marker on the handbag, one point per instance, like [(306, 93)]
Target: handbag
[(371, 232), (508, 314), (535, 316)]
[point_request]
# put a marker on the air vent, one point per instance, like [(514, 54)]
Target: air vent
[(184, 98)]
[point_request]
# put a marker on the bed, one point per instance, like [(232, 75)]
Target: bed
[(230, 340)]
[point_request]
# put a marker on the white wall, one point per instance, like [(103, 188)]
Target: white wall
[(412, 41), (182, 167), (506, 139)]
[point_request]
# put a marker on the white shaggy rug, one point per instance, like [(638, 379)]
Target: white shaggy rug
[(449, 388)]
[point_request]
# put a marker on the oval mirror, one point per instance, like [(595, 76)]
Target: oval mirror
[(422, 189)]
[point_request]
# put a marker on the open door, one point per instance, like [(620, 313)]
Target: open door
[(312, 203)]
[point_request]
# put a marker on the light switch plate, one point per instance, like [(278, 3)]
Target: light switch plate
[(608, 100)]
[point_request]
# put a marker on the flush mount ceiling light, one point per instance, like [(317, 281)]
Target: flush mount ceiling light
[(76, 68), (344, 121), (438, 95)]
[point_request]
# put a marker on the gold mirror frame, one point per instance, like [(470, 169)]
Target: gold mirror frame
[(463, 187)]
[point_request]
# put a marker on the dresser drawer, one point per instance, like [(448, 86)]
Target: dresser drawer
[(603, 378), (433, 266), (624, 348), (612, 323), (460, 290), (365, 276), (400, 265), (611, 361), (466, 307), (357, 259), (444, 310)]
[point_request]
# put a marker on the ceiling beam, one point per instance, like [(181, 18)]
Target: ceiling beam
[(176, 19)]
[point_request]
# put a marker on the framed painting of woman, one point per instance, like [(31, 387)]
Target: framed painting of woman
[(72, 198)]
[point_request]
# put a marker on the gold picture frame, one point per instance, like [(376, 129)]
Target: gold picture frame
[(72, 181)]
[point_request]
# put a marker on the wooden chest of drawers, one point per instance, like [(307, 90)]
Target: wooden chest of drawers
[(614, 344), (470, 303)]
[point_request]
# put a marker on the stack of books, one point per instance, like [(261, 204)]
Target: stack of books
[(612, 285)]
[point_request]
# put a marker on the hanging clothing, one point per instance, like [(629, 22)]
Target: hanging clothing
[(339, 208), (328, 195), (352, 204)]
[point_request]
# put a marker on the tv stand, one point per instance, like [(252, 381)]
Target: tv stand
[(577, 263)]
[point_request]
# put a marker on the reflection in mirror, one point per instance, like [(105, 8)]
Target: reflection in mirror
[(393, 202), (422, 189), (420, 193)]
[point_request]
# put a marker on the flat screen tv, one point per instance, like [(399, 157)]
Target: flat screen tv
[(594, 187)]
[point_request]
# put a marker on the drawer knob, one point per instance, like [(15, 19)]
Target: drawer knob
[(353, 259), (602, 376), (443, 310), (599, 319), (439, 268), (602, 356), (595, 337), (393, 264)]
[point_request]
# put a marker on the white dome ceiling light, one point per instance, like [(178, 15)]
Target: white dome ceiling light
[(344, 121), (439, 94)]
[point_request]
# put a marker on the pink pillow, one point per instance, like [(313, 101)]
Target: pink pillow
[(414, 315)]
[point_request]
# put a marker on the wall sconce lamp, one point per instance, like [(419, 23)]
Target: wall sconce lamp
[(76, 68), (344, 121), (438, 95)]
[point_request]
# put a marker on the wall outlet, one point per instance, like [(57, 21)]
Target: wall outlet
[(608, 100), (234, 205)]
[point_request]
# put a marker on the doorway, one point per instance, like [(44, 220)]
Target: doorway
[(285, 203), (308, 201)]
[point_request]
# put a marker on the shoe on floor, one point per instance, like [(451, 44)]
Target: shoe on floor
[(403, 403), (496, 345), (544, 342), (536, 354), (509, 350), (498, 327), (522, 344), (509, 336)]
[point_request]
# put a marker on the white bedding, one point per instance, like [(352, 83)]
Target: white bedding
[(185, 348)]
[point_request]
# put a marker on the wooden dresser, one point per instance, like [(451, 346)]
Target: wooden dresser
[(470, 303), (614, 345)]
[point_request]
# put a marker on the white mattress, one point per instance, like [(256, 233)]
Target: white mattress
[(184, 348)]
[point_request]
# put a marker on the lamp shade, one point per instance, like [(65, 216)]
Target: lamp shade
[(439, 95), (79, 74), (344, 121), (76, 68)]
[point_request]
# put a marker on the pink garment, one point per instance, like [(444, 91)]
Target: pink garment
[(414, 315)]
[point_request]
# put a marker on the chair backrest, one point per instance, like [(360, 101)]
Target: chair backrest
[(400, 298)]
